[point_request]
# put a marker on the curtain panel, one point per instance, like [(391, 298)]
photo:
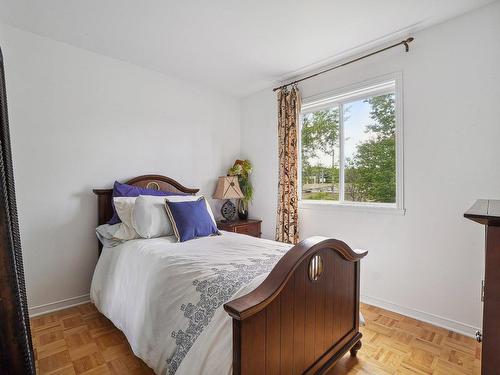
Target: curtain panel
[(288, 149)]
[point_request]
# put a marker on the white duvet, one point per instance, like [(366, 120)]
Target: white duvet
[(167, 297)]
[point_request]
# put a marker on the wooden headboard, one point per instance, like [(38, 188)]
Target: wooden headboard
[(151, 181)]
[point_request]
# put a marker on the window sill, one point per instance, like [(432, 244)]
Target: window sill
[(352, 207)]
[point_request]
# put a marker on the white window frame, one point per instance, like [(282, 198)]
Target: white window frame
[(362, 90)]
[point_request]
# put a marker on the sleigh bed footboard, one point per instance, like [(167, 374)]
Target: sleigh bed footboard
[(305, 314)]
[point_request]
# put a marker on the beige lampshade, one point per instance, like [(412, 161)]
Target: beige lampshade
[(228, 188)]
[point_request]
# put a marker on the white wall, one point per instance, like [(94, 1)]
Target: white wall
[(78, 121), (429, 262)]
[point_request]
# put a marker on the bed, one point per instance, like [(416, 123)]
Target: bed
[(230, 303)]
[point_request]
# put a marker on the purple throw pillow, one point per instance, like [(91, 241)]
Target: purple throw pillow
[(124, 190), (190, 219)]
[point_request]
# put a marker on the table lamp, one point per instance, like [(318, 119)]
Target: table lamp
[(228, 188)]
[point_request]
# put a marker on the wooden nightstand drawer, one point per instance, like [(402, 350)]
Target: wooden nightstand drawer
[(249, 227)]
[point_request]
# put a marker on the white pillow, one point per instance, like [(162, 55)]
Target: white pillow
[(106, 234), (124, 207), (149, 217)]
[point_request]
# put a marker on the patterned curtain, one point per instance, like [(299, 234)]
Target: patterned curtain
[(288, 122)]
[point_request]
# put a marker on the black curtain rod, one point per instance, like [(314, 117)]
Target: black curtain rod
[(405, 43)]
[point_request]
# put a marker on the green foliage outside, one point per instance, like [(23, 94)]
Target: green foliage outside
[(321, 196), (370, 175), (320, 132)]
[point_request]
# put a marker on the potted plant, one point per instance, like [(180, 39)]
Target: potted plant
[(243, 169)]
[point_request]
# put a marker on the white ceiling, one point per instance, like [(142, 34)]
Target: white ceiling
[(237, 47)]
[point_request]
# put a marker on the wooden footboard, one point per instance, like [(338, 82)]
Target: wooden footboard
[(304, 316)]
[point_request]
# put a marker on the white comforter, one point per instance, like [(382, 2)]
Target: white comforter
[(167, 297)]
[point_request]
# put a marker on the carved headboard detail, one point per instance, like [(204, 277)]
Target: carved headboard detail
[(151, 181)]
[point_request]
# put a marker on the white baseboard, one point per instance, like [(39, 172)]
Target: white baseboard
[(452, 325), (58, 305), (449, 324)]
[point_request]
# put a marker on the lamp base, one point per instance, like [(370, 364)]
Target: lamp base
[(228, 210)]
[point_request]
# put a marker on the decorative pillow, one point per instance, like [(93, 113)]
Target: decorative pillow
[(190, 219), (124, 207), (192, 198), (124, 190), (149, 217)]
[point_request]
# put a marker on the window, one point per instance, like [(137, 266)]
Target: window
[(350, 147)]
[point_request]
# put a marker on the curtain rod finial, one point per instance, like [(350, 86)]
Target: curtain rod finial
[(406, 43)]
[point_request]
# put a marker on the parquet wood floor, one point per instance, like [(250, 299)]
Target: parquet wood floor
[(80, 340)]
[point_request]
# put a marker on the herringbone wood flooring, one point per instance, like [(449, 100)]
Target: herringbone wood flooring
[(80, 340)]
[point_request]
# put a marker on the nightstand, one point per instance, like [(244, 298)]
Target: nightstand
[(249, 226)]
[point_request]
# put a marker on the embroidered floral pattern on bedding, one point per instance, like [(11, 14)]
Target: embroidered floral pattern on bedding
[(214, 292), (288, 122)]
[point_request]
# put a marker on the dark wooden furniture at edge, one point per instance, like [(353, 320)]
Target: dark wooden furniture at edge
[(249, 226), (487, 212), (16, 351), (305, 314)]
